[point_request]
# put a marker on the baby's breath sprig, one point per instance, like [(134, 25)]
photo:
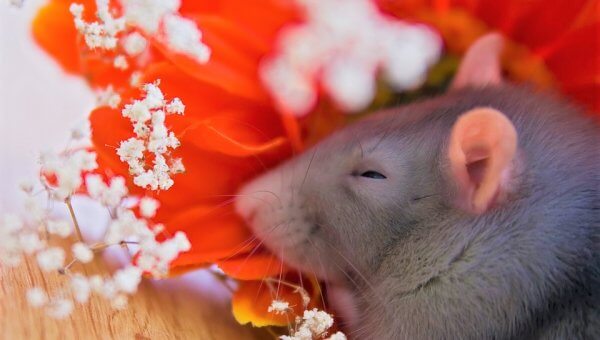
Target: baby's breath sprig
[(314, 324), (147, 116), (72, 172), (122, 35)]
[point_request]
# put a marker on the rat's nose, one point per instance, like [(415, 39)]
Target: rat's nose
[(260, 193)]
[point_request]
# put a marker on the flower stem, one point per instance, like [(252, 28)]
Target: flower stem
[(223, 279), (72, 213)]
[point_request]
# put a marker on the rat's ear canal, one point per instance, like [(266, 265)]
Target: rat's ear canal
[(483, 144), (481, 64)]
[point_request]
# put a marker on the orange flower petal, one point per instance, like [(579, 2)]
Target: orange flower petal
[(109, 128), (233, 137), (54, 30), (572, 60), (546, 21), (253, 266), (250, 303), (217, 73), (215, 232)]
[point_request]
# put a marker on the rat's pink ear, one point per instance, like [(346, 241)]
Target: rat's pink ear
[(483, 144), (481, 64)]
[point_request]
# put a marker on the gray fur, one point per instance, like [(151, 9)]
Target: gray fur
[(418, 266)]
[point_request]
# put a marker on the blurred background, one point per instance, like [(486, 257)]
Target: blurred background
[(39, 103)]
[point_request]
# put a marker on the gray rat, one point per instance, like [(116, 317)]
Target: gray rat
[(473, 215)]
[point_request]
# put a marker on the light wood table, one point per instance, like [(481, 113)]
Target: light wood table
[(174, 309)]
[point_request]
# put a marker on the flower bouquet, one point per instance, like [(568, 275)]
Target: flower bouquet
[(195, 99)]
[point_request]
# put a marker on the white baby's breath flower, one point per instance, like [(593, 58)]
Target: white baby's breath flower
[(134, 44), (60, 308), (11, 223), (182, 35), (108, 97), (313, 325), (342, 45), (51, 259), (177, 166), (178, 33), (154, 97), (318, 322), (135, 79), (34, 209), (279, 307), (59, 227), (81, 288), (131, 149), (337, 336), (120, 62), (182, 242), (98, 34), (26, 187), (148, 118), (30, 242), (137, 112), (148, 207), (119, 302), (146, 180), (10, 248), (66, 169), (36, 297), (176, 106), (96, 283), (128, 279), (110, 196), (80, 132), (158, 228), (109, 289), (82, 252)]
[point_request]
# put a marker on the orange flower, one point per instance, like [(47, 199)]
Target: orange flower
[(551, 43), (231, 130), (229, 133)]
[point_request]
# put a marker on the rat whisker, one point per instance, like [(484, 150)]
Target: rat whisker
[(241, 247), (354, 268), (255, 249), (236, 196), (423, 197), (389, 129), (312, 157), (322, 269), (280, 273)]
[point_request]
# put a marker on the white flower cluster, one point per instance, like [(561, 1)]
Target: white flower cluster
[(62, 175), (148, 118), (178, 33), (314, 324), (102, 33), (62, 172), (108, 97), (134, 44), (120, 62), (344, 44), (279, 307)]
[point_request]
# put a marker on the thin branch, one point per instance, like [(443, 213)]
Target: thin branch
[(72, 213)]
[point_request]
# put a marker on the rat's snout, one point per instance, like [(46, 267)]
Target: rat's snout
[(260, 196), (276, 212)]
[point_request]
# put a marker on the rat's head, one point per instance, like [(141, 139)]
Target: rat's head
[(344, 201)]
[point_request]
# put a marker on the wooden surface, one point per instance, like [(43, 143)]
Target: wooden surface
[(191, 307)]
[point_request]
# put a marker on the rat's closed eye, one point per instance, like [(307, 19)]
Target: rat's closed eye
[(373, 174)]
